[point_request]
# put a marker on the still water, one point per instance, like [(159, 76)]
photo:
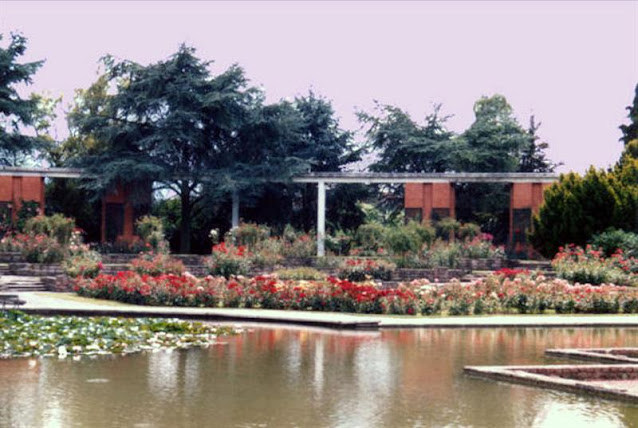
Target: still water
[(301, 377)]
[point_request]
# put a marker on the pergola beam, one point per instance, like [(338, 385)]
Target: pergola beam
[(42, 172), (447, 177)]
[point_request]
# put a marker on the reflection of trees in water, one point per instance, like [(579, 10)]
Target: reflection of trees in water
[(313, 377)]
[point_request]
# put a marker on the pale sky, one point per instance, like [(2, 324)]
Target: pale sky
[(574, 65)]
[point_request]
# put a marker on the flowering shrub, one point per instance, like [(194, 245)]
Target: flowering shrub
[(357, 270), (494, 294), (157, 264), (34, 248), (481, 247), (302, 246), (262, 291), (589, 265), (151, 231), (87, 264), (228, 260)]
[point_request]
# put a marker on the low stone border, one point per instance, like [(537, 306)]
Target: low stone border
[(619, 382), (602, 355)]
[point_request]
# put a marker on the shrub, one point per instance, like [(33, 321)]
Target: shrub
[(516, 293), (339, 243), (446, 228), (151, 231), (577, 207), (28, 210), (469, 231), (480, 248), (228, 260), (357, 270), (248, 235), (370, 238), (402, 240), (587, 265), (56, 226), (36, 248), (301, 273), (443, 254), (267, 254), (157, 264), (613, 240), (85, 264), (424, 231), (302, 246)]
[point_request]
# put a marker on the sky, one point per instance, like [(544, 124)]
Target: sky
[(573, 65)]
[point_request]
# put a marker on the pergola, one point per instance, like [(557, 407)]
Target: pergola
[(432, 191), (427, 193)]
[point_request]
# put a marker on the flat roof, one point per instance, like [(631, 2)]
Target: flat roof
[(42, 172), (345, 177), (443, 177)]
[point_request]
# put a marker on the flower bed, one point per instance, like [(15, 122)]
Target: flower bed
[(508, 292), (589, 265), (23, 335)]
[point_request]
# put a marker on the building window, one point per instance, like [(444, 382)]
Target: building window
[(413, 214), (439, 213)]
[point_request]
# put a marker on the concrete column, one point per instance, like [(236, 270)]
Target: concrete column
[(321, 218), (235, 211)]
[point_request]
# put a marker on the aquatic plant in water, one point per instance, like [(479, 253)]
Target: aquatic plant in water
[(23, 335)]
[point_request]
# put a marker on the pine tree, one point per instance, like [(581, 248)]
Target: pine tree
[(16, 113)]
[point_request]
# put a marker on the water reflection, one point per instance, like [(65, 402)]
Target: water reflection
[(285, 377)]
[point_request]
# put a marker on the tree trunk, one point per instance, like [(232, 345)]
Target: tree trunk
[(185, 226)]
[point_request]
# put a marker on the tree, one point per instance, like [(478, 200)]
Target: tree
[(533, 157), (16, 113), (495, 141), (630, 132), (327, 148), (169, 122), (575, 208), (308, 134), (402, 145)]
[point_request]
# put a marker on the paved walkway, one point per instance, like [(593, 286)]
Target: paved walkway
[(70, 304)]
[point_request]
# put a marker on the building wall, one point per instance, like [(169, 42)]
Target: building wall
[(430, 196), (15, 189)]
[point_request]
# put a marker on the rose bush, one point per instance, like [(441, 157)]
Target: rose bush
[(521, 293)]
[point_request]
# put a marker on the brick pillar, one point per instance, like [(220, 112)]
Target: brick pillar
[(120, 195), (439, 198), (430, 197), (525, 201)]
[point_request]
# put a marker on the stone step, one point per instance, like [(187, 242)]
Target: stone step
[(15, 283)]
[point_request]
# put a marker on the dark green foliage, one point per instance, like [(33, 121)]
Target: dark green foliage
[(16, 112), (614, 239), (401, 241), (533, 157), (575, 208), (169, 122), (370, 237), (69, 198), (495, 141), (630, 132), (405, 146), (28, 210)]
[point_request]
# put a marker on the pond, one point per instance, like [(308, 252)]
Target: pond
[(304, 377)]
